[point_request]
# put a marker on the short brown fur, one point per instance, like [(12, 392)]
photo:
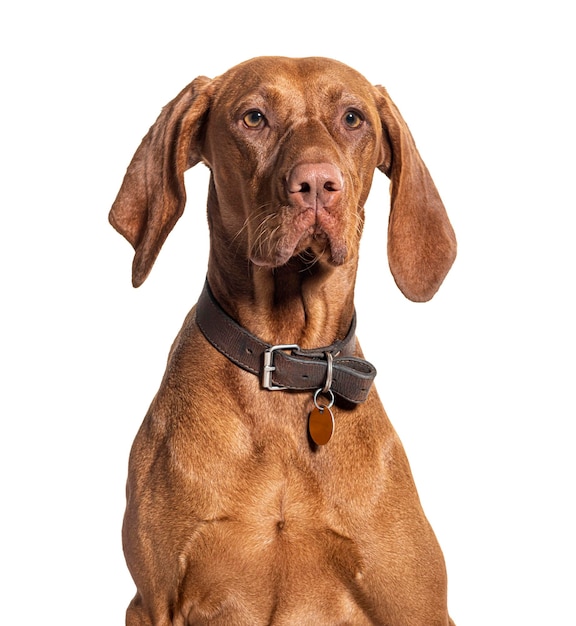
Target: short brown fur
[(233, 516)]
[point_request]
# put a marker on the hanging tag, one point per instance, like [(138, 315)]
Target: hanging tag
[(321, 419), (321, 425)]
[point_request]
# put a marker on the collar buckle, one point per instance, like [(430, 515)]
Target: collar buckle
[(269, 366)]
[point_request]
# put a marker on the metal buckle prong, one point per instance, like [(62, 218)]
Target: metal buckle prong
[(269, 366)]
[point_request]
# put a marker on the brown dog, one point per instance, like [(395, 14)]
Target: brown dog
[(266, 484)]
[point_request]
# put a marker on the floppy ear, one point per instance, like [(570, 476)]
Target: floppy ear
[(421, 242), (152, 196)]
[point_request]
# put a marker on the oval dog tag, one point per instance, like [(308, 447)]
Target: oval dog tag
[(321, 425)]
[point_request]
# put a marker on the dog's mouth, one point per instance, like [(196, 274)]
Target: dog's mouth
[(310, 237), (321, 246)]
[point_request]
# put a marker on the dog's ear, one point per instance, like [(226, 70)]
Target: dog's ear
[(421, 241), (152, 196)]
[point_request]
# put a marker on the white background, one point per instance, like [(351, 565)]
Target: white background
[(479, 382)]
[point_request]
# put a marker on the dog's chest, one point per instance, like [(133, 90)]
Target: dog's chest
[(276, 553)]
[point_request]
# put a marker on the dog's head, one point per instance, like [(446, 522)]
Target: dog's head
[(292, 145)]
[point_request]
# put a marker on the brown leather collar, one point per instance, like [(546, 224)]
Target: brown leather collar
[(287, 367)]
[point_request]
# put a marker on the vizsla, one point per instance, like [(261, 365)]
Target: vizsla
[(266, 484)]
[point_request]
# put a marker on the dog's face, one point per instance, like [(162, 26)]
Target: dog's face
[(293, 145)]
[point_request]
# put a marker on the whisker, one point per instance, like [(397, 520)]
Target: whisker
[(260, 228), (262, 233), (260, 211), (309, 258)]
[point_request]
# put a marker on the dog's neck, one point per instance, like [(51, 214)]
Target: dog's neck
[(310, 305)]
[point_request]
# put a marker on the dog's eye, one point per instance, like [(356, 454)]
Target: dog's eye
[(254, 119), (352, 119)]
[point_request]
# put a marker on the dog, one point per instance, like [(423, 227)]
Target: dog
[(266, 485)]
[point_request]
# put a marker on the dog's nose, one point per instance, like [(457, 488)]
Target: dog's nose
[(315, 185)]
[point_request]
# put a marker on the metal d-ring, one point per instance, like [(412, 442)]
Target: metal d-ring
[(326, 393), (328, 381)]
